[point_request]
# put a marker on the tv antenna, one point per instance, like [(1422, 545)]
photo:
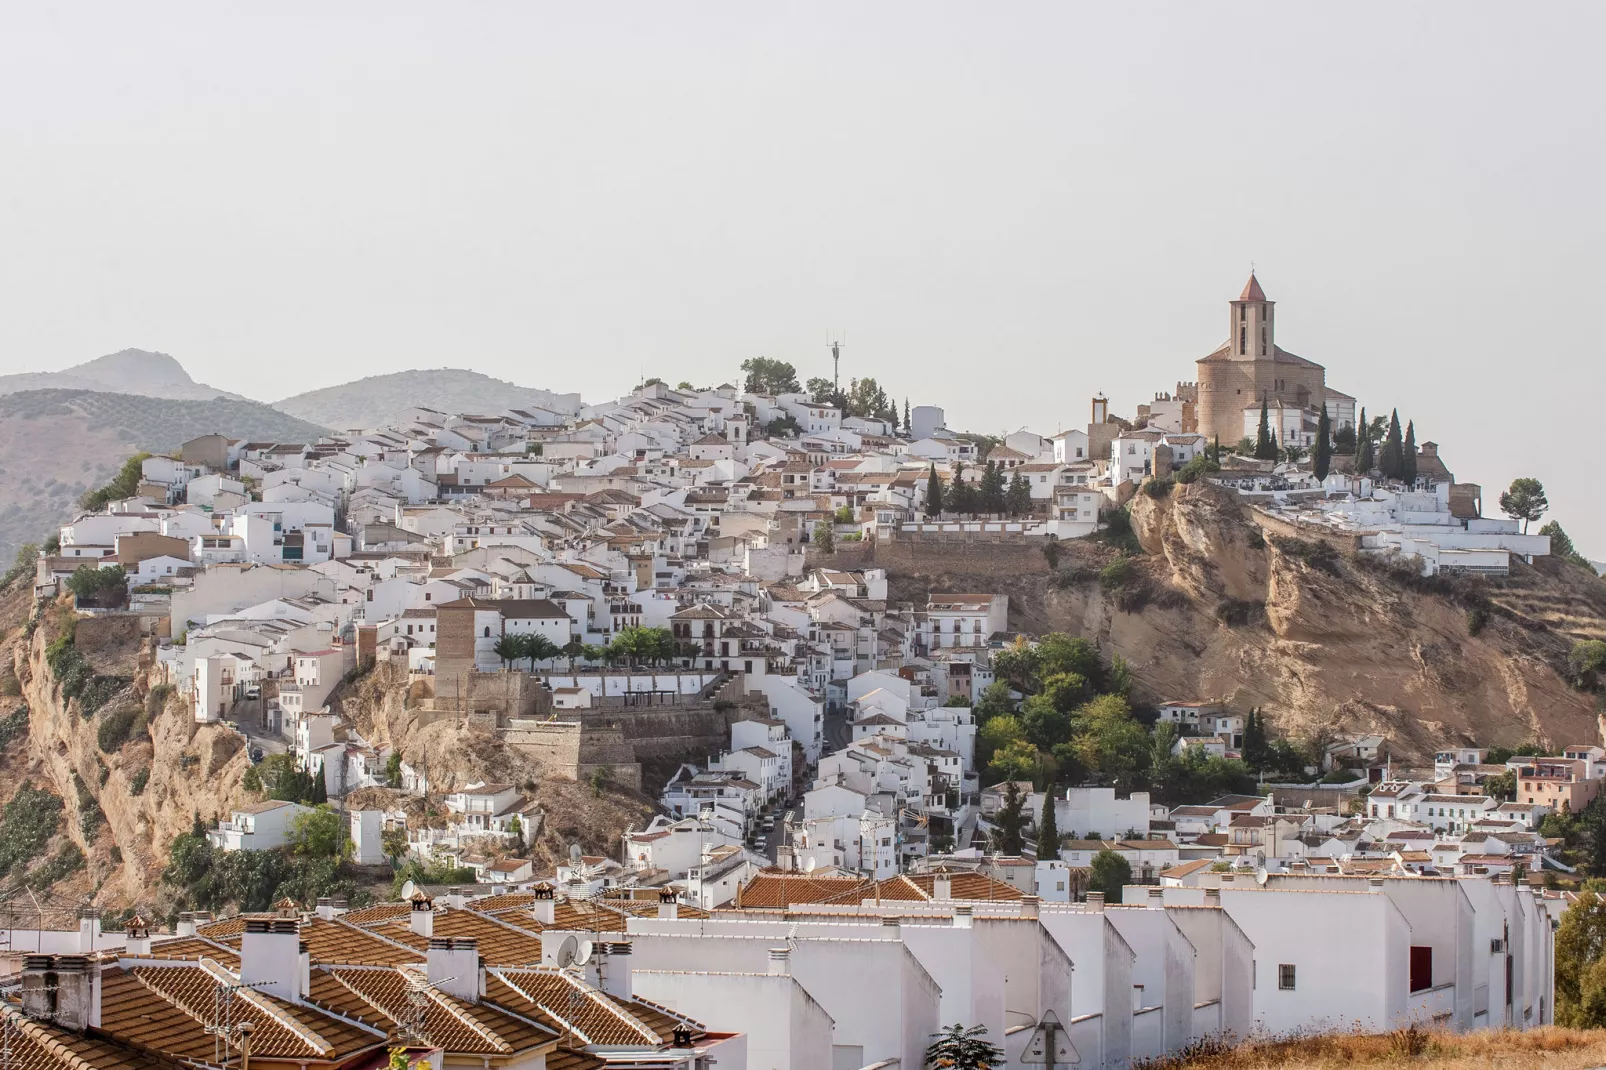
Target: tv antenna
[(836, 359), (228, 1034)]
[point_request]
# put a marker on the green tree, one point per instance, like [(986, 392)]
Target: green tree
[(1580, 971), (1408, 454), (1058, 652), (318, 833), (1009, 821), (1364, 461), (933, 493), (771, 377), (995, 700), (1120, 682), (1344, 440), (825, 537), (1109, 873), (992, 488), (394, 843), (1048, 830), (1018, 499), (107, 585), (537, 647), (123, 485), (393, 770), (1015, 760), (1524, 500), (961, 497), (1256, 750), (998, 732), (1265, 444), (1587, 660), (1321, 458), (906, 424), (509, 648), (1045, 724), (516, 828), (1390, 462), (958, 1048), (1561, 545)]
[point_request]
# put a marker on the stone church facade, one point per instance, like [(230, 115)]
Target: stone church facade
[(1250, 367)]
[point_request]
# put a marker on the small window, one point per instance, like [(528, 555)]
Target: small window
[(1285, 976)]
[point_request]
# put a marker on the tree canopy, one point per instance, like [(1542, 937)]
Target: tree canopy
[(1524, 500), (767, 376)]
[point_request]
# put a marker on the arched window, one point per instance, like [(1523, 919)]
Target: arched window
[(487, 631)]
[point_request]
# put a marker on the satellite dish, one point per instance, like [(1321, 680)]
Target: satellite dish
[(1261, 875), (582, 954), (574, 853), (808, 866), (566, 952)]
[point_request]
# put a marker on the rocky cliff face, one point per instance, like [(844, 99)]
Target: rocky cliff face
[(187, 768), (1220, 609)]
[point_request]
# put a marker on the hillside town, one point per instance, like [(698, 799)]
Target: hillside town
[(878, 812)]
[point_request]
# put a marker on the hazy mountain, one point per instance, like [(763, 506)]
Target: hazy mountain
[(379, 400), (56, 444), (131, 371)]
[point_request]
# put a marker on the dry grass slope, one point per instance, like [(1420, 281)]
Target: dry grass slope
[(1549, 1048)]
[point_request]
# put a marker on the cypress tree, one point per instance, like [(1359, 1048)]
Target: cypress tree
[(1265, 445), (906, 424), (1048, 832), (1363, 446), (1393, 449), (1322, 454), (1408, 455), (933, 493)]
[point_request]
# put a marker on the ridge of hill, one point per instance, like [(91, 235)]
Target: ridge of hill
[(128, 371), (55, 444), (380, 400)]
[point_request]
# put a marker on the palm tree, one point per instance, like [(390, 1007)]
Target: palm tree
[(958, 1048), (539, 648), (509, 648)]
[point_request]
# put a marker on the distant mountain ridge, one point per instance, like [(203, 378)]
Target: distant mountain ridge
[(379, 400), (56, 444), (128, 371)]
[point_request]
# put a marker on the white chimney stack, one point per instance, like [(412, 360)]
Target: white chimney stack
[(668, 908), (544, 907), (88, 930), (1095, 902), (942, 888), (963, 916), (613, 966), (270, 957), (64, 989), (454, 967), (780, 962), (137, 937), (422, 917), (186, 924)]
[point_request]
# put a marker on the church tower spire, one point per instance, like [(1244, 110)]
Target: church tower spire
[(1252, 334)]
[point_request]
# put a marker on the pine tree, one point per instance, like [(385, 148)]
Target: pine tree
[(1389, 462), (1408, 455), (1048, 832), (1018, 499), (992, 488), (1322, 455), (1009, 820), (933, 493), (1363, 446), (1265, 444)]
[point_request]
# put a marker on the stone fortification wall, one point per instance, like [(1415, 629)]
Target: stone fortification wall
[(971, 552)]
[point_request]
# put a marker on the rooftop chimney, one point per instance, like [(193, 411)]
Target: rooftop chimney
[(1374, 884), (88, 930), (544, 906), (137, 936), (455, 899), (1226, 878), (64, 989), (1029, 905), (326, 908), (889, 927), (613, 969), (668, 907), (780, 962), (1212, 897), (1156, 896), (1095, 902), (186, 924), (422, 917), (454, 967), (942, 888), (270, 957), (963, 916)]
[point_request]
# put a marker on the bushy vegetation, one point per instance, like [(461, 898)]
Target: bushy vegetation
[(136, 786), (420, 872), (280, 778), (1587, 662), (77, 677), (67, 860), (156, 701), (26, 825), (203, 878), (1075, 725), (1240, 613), (106, 586), (1160, 488), (118, 727), (1313, 552), (13, 725)]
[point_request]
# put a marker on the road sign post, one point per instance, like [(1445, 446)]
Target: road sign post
[(1050, 1045)]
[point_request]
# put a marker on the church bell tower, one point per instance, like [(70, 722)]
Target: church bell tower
[(1253, 328)]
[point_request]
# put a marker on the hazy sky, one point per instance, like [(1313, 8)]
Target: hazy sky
[(1006, 207)]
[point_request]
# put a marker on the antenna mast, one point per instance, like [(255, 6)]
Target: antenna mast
[(836, 363)]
